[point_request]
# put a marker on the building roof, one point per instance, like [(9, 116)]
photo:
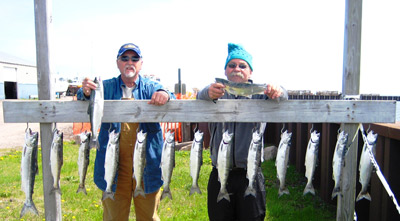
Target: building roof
[(11, 59)]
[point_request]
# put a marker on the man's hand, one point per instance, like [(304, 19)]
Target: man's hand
[(159, 98), (273, 91), (216, 91), (87, 86)]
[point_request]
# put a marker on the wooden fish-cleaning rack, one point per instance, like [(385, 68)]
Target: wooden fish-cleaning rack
[(350, 113)]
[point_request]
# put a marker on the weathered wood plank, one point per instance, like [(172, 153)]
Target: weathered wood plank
[(312, 111)]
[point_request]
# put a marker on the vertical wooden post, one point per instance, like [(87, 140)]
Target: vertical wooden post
[(43, 21), (350, 86)]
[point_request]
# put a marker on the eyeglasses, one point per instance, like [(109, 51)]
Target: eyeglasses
[(127, 58), (233, 65)]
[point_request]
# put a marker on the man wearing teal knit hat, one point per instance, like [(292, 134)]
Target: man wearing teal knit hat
[(242, 200)]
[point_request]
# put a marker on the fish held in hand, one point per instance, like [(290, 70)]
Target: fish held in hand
[(242, 89), (29, 169), (95, 111)]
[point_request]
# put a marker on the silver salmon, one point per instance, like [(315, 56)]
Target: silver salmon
[(83, 160), (338, 161), (95, 111), (29, 169), (242, 89), (56, 159), (196, 160), (224, 164), (311, 161), (111, 164), (366, 166), (139, 162), (167, 163), (253, 161), (282, 160)]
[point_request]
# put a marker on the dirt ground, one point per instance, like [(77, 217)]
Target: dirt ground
[(12, 134)]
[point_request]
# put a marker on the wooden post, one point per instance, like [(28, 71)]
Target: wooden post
[(43, 21), (350, 86)]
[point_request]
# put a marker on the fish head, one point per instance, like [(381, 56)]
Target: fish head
[(198, 136), (342, 138), (31, 137), (286, 136), (57, 135), (315, 136), (170, 137), (84, 136), (371, 137), (141, 136), (113, 137), (227, 137), (257, 136)]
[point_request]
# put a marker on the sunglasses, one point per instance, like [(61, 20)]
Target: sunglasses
[(233, 65), (126, 58)]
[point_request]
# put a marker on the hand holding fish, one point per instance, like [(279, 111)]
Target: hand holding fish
[(216, 90), (87, 86), (273, 91), (159, 98)]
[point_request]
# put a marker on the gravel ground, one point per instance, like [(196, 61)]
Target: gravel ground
[(12, 134)]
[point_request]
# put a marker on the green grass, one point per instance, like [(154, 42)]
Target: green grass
[(183, 207)]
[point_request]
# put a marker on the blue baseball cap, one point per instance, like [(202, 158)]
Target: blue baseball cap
[(129, 47), (237, 51)]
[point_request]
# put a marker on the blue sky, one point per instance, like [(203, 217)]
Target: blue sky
[(297, 44)]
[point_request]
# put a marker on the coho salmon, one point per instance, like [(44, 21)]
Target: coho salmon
[(282, 160), (167, 163), (366, 166), (95, 111), (29, 169), (254, 161), (224, 164), (56, 159), (242, 89), (83, 160), (338, 161), (311, 161), (111, 163), (196, 160), (139, 162)]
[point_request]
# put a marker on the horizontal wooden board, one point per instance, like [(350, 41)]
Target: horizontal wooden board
[(313, 111)]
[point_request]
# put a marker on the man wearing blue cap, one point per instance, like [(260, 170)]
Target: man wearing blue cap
[(127, 86), (240, 206)]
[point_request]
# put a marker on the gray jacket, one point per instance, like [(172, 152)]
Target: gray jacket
[(242, 131)]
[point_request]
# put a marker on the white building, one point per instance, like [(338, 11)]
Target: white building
[(18, 77)]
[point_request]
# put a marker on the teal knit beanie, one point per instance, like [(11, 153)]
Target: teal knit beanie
[(237, 51)]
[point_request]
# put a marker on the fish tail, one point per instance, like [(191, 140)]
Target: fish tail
[(309, 189), (82, 189), (28, 207), (108, 195), (55, 190), (250, 191), (363, 195), (166, 193), (139, 191), (94, 144), (335, 192), (194, 189), (283, 190), (223, 194)]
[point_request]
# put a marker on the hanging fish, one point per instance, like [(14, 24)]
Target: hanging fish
[(196, 160), (224, 164), (338, 161), (366, 166), (83, 160), (139, 162), (56, 159), (111, 163), (29, 169), (254, 161), (311, 161), (95, 111), (167, 163), (282, 160)]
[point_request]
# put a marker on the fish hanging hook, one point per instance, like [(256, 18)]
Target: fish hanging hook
[(109, 129), (312, 127), (196, 127), (27, 127), (283, 127)]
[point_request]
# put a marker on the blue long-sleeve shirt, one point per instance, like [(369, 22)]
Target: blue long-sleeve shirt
[(143, 91)]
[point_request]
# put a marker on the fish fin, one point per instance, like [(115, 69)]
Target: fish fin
[(194, 189), (309, 189), (139, 191), (82, 189), (223, 195), (166, 193), (108, 195), (282, 191), (250, 191), (363, 195), (29, 208)]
